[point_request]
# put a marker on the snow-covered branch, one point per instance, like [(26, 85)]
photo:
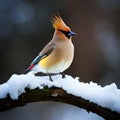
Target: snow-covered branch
[(22, 89)]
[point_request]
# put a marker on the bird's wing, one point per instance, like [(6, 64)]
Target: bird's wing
[(42, 55)]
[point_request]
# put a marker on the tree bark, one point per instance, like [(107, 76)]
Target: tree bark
[(57, 94)]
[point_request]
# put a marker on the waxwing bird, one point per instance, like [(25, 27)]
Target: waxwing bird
[(58, 54)]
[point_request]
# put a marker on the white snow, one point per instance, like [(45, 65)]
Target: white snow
[(108, 96)]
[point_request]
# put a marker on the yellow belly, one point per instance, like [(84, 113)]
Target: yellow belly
[(60, 59), (54, 66)]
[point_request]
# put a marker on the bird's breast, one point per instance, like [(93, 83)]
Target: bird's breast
[(59, 60)]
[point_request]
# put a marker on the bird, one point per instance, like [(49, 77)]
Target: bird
[(58, 54)]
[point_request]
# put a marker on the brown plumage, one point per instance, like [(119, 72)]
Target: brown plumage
[(58, 54)]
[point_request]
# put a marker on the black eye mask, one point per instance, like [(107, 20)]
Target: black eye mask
[(65, 33)]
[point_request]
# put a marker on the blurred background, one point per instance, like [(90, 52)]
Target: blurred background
[(25, 28)]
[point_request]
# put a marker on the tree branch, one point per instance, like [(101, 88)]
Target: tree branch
[(56, 94)]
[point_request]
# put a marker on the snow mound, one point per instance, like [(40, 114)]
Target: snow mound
[(107, 96)]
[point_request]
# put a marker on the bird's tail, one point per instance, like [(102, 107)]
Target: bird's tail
[(28, 69)]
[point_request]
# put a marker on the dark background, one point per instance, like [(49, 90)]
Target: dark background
[(25, 28)]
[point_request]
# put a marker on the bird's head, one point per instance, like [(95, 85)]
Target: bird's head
[(62, 29)]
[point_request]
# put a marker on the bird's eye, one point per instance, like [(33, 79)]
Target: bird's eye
[(65, 33)]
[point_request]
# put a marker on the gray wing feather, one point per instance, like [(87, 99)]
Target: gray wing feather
[(39, 57)]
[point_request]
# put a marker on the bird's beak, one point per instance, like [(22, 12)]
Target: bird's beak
[(72, 34)]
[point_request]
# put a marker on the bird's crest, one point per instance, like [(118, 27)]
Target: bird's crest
[(58, 23)]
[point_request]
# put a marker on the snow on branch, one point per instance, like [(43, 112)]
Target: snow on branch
[(22, 89)]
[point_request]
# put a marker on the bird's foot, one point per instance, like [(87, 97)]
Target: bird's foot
[(63, 75), (50, 78)]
